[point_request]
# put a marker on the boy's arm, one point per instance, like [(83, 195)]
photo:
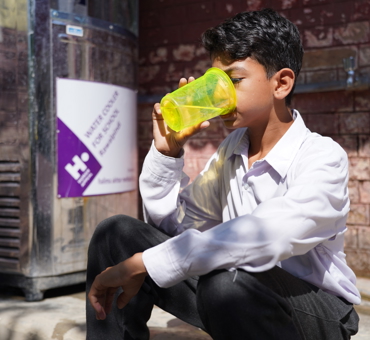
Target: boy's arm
[(162, 177), (313, 210), (167, 141), (165, 207)]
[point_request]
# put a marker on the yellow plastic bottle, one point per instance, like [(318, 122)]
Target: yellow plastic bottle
[(210, 95)]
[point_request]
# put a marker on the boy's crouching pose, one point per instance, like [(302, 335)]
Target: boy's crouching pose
[(253, 248)]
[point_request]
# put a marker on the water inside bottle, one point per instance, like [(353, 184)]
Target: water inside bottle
[(182, 116)]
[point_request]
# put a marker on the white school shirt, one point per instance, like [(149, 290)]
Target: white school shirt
[(289, 209)]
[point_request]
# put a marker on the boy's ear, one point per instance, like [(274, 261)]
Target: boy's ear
[(284, 82)]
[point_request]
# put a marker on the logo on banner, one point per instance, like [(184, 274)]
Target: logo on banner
[(77, 166), (79, 170)]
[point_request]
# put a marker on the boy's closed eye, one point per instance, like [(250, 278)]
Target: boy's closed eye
[(236, 80)]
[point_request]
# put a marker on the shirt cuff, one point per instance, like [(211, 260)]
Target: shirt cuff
[(159, 266), (162, 166)]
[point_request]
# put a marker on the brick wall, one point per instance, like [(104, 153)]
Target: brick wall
[(331, 30)]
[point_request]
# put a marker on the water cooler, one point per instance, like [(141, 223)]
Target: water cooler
[(69, 78)]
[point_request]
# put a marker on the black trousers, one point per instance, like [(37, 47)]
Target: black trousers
[(228, 305)]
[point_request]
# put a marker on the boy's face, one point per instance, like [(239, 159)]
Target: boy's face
[(254, 91)]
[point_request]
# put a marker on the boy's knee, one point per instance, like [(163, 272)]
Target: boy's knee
[(112, 228)]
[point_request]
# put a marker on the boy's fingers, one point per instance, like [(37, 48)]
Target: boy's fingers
[(98, 307), (109, 300), (185, 134), (157, 113), (182, 82)]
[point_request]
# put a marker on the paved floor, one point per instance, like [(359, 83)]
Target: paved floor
[(61, 316)]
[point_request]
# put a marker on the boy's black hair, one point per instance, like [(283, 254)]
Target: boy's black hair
[(263, 35)]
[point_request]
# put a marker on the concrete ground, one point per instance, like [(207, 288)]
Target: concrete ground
[(61, 316)]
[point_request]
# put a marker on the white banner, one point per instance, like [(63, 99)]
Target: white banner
[(97, 151)]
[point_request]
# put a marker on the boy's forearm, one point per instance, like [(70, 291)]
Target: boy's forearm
[(159, 184)]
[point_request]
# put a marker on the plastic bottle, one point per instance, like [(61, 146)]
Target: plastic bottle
[(210, 95)]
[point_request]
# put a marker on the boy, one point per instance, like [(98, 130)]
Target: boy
[(253, 248)]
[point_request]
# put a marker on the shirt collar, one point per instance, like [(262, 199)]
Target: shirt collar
[(282, 154)]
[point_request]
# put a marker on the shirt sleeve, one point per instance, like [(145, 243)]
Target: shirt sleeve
[(312, 210), (169, 208)]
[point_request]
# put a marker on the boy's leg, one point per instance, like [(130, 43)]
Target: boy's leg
[(114, 240), (271, 305)]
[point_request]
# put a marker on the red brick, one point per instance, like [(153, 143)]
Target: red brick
[(364, 146), (148, 19), (321, 76), (359, 214), (145, 130), (173, 72), (362, 100), (286, 4), (198, 69), (192, 33), (322, 15), (229, 8), (199, 12), (364, 57), (336, 13), (364, 190), (150, 4), (162, 90), (351, 238), (324, 124), (359, 261), (364, 238), (148, 73), (338, 101), (255, 5), (174, 15), (354, 123), (144, 54), (359, 168), (354, 193), (352, 33), (184, 52), (144, 112), (188, 2), (160, 36), (327, 58), (305, 17), (361, 10), (318, 37), (364, 72), (309, 3), (348, 143)]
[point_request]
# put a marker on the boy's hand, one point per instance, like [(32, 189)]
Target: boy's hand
[(167, 141), (129, 275)]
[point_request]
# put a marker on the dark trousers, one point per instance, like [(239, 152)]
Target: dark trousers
[(227, 305)]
